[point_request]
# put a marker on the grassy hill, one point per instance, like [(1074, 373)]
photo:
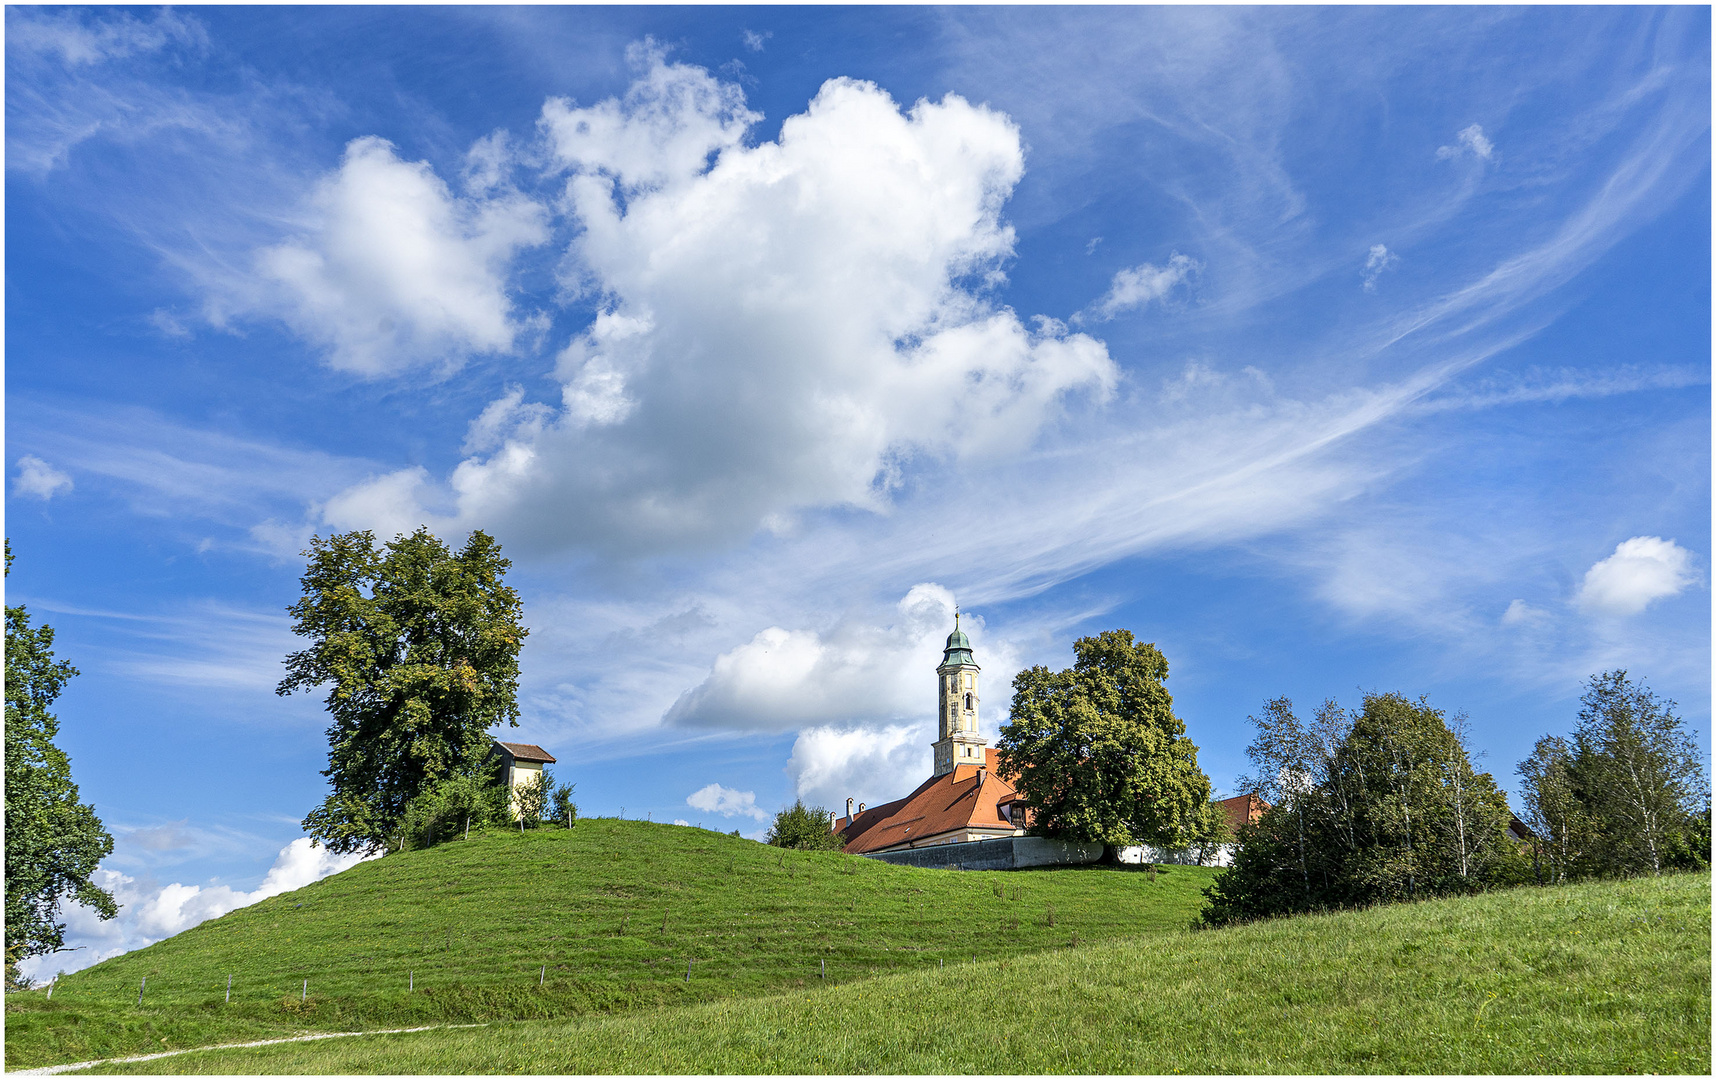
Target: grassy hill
[(605, 918), (1609, 977)]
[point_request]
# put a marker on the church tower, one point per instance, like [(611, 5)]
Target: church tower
[(959, 742)]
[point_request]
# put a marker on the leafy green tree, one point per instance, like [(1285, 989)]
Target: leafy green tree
[(418, 646), (1097, 751), (806, 828), (1370, 806), (1552, 810), (1639, 779), (54, 843)]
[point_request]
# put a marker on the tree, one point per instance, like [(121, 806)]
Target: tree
[(806, 828), (419, 648), (1370, 806), (1097, 751), (54, 843), (532, 797), (1551, 810), (1638, 777)]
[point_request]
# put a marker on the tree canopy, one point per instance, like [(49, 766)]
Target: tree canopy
[(1627, 795), (1369, 806), (806, 828), (54, 843), (418, 646), (1097, 752)]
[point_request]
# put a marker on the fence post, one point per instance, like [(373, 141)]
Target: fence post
[(51, 986), (229, 989), (305, 996), (411, 983), (688, 971), (140, 987), (542, 979)]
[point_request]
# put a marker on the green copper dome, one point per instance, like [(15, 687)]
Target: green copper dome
[(958, 650)]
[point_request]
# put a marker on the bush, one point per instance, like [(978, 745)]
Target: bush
[(805, 828), (561, 807), (448, 808)]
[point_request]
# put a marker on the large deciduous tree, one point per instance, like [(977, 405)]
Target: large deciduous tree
[(1097, 751), (54, 843), (418, 646)]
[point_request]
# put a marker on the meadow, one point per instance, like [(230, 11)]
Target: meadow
[(1609, 977), (608, 918)]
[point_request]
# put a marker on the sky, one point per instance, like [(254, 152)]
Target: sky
[(1332, 350)]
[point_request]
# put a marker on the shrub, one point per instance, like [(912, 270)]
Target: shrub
[(805, 828)]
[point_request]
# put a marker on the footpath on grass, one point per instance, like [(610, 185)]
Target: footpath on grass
[(1601, 977), (55, 1070)]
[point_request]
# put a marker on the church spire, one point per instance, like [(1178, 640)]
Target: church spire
[(958, 742)]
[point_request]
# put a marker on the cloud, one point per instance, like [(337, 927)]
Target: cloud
[(393, 270), (869, 764), (781, 326), (1520, 613), (1380, 260), (782, 679), (74, 39), (149, 914), (1469, 141), (1642, 570), (1138, 285), (754, 41), (727, 802), (38, 479)]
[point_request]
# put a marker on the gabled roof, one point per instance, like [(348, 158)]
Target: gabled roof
[(967, 797), (523, 751)]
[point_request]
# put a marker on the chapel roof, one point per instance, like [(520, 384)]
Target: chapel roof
[(523, 751), (967, 797)]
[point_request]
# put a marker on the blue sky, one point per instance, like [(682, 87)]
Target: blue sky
[(1331, 350)]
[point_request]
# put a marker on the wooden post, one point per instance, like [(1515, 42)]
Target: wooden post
[(411, 982), (825, 969), (467, 826), (305, 996), (542, 979), (229, 989), (688, 971), (140, 987), (51, 986)]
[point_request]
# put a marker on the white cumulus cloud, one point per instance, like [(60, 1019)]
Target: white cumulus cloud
[(395, 270), (782, 679), (1470, 140), (38, 479), (1136, 286), (147, 915), (868, 764), (1641, 570), (781, 325), (727, 802)]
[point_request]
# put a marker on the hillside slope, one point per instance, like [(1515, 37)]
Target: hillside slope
[(551, 923), (1609, 977)]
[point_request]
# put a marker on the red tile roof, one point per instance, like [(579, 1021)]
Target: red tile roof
[(1242, 810), (523, 751), (967, 797)]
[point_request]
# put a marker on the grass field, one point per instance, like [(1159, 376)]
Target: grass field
[(1596, 978), (605, 918)]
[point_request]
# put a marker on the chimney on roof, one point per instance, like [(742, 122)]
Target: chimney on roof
[(982, 774), (833, 820), (848, 810), (860, 808)]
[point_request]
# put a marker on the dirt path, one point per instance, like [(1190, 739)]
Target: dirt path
[(53, 1070)]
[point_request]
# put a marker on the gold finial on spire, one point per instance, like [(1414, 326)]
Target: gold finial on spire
[(956, 616)]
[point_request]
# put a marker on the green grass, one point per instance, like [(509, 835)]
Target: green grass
[(1596, 978), (614, 910)]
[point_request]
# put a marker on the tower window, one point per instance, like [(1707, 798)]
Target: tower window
[(968, 705)]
